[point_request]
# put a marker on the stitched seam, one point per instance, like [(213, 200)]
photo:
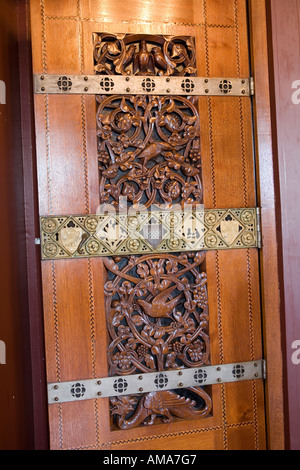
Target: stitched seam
[(55, 320), (252, 349), (48, 157), (224, 419), (161, 436), (85, 156), (206, 39), (219, 309), (212, 153), (60, 427), (256, 434), (44, 49), (237, 37), (243, 151), (250, 304)]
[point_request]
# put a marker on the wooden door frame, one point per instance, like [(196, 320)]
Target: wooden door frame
[(269, 256), (268, 201)]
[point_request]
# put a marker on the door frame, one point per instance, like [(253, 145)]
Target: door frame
[(268, 201), (267, 187)]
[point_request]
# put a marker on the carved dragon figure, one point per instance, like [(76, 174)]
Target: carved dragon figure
[(165, 403)]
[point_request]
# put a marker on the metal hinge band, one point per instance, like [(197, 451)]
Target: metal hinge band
[(78, 390), (142, 85), (86, 236)]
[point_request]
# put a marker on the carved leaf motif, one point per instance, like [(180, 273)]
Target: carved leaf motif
[(117, 319), (137, 320), (149, 360), (142, 270)]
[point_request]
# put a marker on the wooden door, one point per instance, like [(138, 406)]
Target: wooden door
[(81, 146)]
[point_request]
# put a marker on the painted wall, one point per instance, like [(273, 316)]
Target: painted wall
[(22, 404), (286, 57), (12, 403)]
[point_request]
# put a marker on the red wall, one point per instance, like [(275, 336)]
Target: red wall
[(12, 374), (286, 57), (23, 412)]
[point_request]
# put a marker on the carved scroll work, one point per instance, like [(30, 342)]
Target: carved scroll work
[(148, 146), (157, 319), (149, 153)]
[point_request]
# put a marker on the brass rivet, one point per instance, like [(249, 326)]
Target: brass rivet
[(127, 79), (168, 90), (243, 81), (168, 79), (86, 88), (99, 382), (128, 90), (43, 88), (256, 365), (86, 78), (206, 91), (180, 384), (255, 375), (42, 77), (180, 373), (99, 394), (55, 387), (140, 377), (141, 389), (219, 380), (206, 80), (56, 399), (218, 369), (243, 92)]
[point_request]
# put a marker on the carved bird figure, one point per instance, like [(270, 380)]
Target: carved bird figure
[(153, 150), (179, 51), (161, 62), (160, 308), (108, 49), (143, 61), (125, 59)]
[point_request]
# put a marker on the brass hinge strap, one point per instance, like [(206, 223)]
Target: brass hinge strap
[(142, 85), (79, 390), (133, 233)]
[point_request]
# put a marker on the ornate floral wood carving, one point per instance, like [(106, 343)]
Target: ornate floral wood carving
[(149, 153), (148, 146), (148, 150), (136, 54), (157, 319)]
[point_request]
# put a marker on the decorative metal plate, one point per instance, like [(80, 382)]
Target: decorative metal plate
[(142, 85), (187, 230), (77, 390)]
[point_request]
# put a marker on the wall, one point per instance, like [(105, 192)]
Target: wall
[(22, 403), (13, 415), (285, 16)]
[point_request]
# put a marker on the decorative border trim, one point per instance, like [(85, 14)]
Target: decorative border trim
[(142, 85), (78, 390), (86, 236)]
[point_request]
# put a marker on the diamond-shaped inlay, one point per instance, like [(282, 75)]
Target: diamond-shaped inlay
[(148, 232)]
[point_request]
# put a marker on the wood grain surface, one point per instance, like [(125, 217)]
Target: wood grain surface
[(73, 290)]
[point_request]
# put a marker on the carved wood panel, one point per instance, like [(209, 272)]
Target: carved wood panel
[(157, 319), (149, 154), (69, 172), (148, 146), (149, 150)]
